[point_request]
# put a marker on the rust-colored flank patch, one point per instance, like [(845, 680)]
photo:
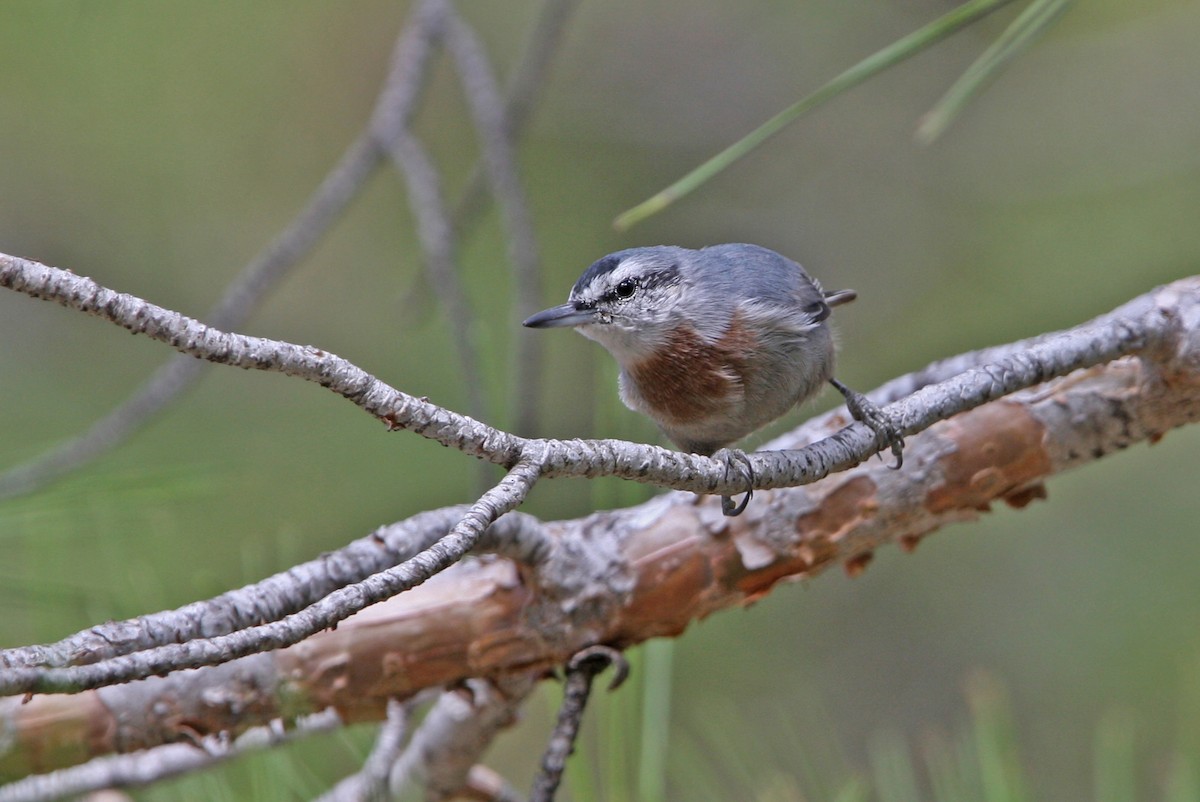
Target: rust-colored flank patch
[(690, 378)]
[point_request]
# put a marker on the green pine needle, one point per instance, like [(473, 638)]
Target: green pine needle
[(1035, 20), (894, 53)]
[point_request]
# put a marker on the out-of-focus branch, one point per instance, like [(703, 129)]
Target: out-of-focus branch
[(621, 577), (371, 782), (486, 785), (161, 762), (500, 163), (342, 185), (451, 739), (524, 87), (437, 244)]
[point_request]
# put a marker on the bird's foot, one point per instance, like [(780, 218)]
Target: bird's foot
[(736, 459), (865, 411)]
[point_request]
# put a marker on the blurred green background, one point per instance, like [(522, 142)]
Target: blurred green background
[(158, 147)]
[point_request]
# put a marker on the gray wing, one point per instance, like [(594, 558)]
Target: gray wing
[(775, 292)]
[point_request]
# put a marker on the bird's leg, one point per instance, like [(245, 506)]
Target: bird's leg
[(732, 457), (864, 411)]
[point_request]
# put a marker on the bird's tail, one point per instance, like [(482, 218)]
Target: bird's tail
[(839, 297)]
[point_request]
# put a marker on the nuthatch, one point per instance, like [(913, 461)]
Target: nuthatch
[(713, 344)]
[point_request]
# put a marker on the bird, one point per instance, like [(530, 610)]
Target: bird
[(713, 343)]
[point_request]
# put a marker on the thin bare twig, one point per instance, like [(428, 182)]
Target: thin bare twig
[(524, 87), (437, 243), (581, 671), (435, 233)]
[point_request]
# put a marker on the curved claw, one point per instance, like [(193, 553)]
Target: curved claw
[(730, 456), (897, 442), (731, 510), (595, 659), (864, 411)]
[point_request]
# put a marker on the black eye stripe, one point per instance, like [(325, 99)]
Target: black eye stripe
[(659, 278), (625, 288)]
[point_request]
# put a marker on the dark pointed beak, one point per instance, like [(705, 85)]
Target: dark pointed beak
[(560, 316)]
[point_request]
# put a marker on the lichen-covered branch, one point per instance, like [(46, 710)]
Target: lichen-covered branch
[(581, 670)]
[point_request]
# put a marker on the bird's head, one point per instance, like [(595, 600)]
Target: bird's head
[(630, 302)]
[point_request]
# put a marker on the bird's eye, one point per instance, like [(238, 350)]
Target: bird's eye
[(625, 288)]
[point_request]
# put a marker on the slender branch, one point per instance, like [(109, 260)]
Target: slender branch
[(1056, 355), (160, 763), (1134, 328), (189, 336), (434, 231), (336, 606), (523, 89)]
